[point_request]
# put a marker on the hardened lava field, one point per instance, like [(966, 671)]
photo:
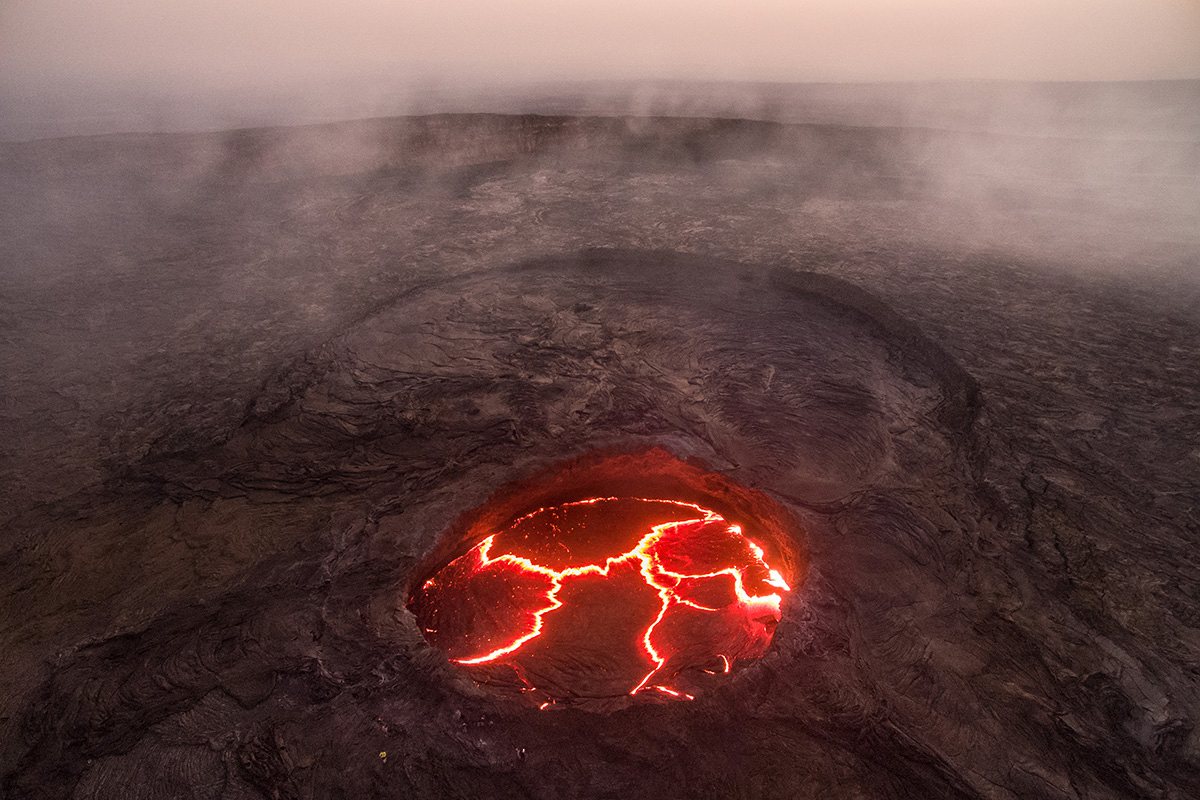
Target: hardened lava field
[(604, 597), (255, 411)]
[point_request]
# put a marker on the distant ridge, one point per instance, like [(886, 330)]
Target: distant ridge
[(1150, 110)]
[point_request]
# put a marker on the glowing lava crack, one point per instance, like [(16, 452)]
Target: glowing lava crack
[(686, 595)]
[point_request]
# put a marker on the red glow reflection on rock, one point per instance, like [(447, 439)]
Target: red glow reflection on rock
[(606, 596)]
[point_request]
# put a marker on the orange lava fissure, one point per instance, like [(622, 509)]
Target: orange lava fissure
[(717, 599)]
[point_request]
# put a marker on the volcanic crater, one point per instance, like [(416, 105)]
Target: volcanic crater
[(308, 372), (588, 600)]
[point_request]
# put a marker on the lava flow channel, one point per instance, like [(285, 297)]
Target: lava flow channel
[(686, 594)]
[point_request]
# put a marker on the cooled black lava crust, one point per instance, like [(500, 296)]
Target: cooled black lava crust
[(797, 385), (987, 472)]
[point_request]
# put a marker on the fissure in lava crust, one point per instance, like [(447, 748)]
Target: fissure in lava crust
[(606, 596)]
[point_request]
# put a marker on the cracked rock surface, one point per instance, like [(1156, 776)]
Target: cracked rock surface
[(245, 424)]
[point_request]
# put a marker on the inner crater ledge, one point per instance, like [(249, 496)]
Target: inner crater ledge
[(603, 597)]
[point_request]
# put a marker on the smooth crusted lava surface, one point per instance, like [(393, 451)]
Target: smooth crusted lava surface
[(690, 597)]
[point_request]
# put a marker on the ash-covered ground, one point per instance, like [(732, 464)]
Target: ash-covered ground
[(253, 379)]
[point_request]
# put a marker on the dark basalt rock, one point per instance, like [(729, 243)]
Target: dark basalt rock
[(896, 668), (995, 505)]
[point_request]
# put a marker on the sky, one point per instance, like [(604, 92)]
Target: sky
[(159, 45)]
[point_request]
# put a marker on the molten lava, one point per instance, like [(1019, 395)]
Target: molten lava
[(606, 596)]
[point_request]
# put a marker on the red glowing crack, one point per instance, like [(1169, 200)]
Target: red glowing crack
[(680, 560)]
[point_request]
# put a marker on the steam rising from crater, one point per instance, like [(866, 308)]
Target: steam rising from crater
[(90, 66)]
